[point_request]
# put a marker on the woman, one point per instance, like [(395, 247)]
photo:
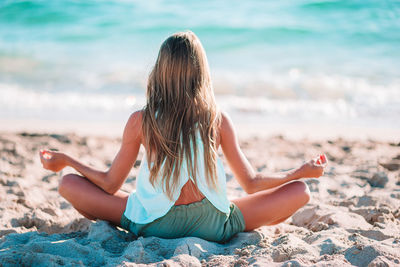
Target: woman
[(181, 186)]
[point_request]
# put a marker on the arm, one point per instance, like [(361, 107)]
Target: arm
[(112, 179), (251, 181)]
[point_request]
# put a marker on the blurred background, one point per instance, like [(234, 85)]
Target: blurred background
[(293, 62)]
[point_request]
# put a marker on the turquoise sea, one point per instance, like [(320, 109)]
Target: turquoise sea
[(302, 60)]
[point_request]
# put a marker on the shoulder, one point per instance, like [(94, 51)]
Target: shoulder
[(227, 131), (226, 122), (133, 128), (135, 118)]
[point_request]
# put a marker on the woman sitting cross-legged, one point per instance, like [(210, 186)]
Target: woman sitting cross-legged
[(181, 185)]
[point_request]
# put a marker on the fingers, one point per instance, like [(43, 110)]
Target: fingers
[(316, 167), (45, 156), (321, 160)]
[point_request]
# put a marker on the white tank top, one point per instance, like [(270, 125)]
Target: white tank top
[(149, 203)]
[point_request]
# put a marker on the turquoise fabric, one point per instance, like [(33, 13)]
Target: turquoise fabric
[(149, 203), (199, 219)]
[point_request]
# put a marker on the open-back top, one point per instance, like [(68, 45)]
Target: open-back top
[(149, 203)]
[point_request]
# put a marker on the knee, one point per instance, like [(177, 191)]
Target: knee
[(301, 192), (67, 184)]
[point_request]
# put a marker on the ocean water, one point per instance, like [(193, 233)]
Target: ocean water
[(293, 61)]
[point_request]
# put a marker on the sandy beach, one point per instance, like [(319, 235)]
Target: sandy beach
[(353, 217), (298, 79)]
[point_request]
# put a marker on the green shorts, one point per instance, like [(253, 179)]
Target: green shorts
[(200, 219)]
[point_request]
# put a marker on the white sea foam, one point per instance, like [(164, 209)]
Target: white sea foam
[(17, 102), (291, 97)]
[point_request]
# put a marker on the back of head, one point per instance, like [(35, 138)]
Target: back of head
[(180, 101)]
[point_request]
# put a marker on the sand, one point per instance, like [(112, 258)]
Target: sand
[(353, 217)]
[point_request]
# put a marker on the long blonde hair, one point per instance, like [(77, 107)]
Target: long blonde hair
[(180, 101)]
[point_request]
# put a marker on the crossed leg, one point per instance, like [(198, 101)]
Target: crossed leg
[(262, 208), (272, 206), (91, 201)]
